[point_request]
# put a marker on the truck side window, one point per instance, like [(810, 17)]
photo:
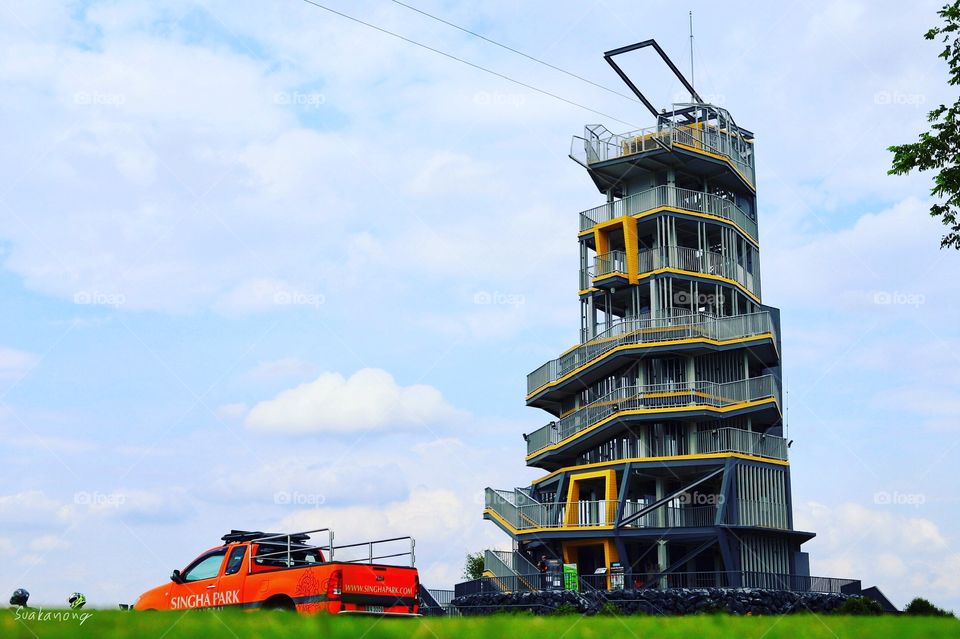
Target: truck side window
[(235, 561), (205, 567)]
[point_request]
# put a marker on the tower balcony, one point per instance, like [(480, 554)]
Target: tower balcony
[(699, 146), (613, 269), (674, 399), (670, 197), (597, 357), (529, 515), (711, 444)]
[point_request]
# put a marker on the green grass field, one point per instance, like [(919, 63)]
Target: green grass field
[(235, 625)]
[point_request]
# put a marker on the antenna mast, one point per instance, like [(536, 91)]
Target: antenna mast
[(691, 53)]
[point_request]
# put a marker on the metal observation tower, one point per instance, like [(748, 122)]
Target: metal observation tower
[(664, 448)]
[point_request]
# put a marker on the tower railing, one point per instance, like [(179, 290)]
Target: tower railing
[(591, 513), (666, 195), (599, 145), (737, 440), (691, 394), (681, 258), (511, 566), (612, 262), (643, 331)]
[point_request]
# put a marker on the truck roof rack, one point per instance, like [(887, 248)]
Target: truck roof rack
[(248, 535)]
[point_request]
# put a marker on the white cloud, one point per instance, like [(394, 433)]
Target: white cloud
[(32, 508), (267, 294), (281, 369), (904, 554), (446, 173), (48, 543), (15, 363), (232, 412), (435, 518), (368, 400)]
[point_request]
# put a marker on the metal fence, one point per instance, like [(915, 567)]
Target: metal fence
[(736, 440), (647, 330), (654, 396), (599, 145), (660, 581), (581, 514), (672, 196)]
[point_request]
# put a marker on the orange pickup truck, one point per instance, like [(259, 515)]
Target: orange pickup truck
[(256, 570)]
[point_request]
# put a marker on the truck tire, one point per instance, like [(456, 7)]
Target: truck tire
[(280, 602)]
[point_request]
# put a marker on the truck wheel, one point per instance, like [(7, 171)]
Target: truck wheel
[(280, 602)]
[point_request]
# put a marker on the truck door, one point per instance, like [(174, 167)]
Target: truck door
[(199, 582), (230, 584)]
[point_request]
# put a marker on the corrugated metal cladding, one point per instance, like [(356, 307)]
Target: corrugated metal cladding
[(764, 555), (762, 497)]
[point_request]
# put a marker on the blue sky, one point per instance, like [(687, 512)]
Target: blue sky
[(243, 246)]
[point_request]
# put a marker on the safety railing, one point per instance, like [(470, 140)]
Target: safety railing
[(599, 145), (712, 140), (511, 561), (694, 260), (654, 396), (660, 581), (512, 566), (607, 263), (666, 195), (681, 258), (648, 330), (670, 516), (742, 579), (587, 514), (736, 440)]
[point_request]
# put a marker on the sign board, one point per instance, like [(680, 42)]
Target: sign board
[(571, 580), (616, 576)]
